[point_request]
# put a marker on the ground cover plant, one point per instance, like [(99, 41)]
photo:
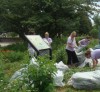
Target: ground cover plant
[(10, 64)]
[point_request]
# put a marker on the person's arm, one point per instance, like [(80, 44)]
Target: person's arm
[(75, 45), (82, 43), (69, 45), (79, 43), (50, 41)]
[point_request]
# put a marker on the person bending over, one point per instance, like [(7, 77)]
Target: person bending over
[(94, 55)]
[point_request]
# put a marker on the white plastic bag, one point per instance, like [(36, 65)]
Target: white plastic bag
[(61, 66), (18, 74), (81, 57), (85, 80), (58, 79), (33, 62), (59, 75)]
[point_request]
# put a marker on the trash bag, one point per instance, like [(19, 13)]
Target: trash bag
[(33, 62), (97, 47), (21, 72), (61, 66), (86, 62), (18, 74), (79, 48), (58, 78), (32, 52), (85, 80), (59, 75), (81, 57)]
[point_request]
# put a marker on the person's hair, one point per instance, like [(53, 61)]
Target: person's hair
[(73, 33), (46, 33), (87, 52)]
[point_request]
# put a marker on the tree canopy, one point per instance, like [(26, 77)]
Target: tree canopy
[(54, 16)]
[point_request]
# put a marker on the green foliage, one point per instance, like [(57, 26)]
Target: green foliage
[(41, 77), (12, 34), (94, 33), (97, 20), (1, 67), (37, 79), (43, 15), (13, 56), (85, 23), (59, 42), (16, 47), (93, 43), (2, 74), (61, 55)]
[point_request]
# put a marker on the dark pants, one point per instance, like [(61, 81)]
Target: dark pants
[(72, 58)]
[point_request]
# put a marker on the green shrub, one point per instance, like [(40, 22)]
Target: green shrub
[(61, 55), (37, 79), (13, 56), (2, 74), (58, 42), (16, 47), (41, 76), (94, 33)]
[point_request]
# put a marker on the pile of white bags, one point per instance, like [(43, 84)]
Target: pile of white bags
[(85, 80), (61, 66), (59, 75)]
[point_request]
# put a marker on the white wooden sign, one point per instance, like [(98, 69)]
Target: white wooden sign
[(37, 42)]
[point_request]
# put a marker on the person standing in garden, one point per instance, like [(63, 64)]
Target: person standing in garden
[(95, 54), (70, 49), (47, 39)]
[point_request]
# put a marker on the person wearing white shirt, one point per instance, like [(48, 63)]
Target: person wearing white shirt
[(70, 49), (47, 39)]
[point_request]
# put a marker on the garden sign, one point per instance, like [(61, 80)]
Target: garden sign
[(39, 45)]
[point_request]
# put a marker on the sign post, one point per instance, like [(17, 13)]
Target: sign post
[(39, 45)]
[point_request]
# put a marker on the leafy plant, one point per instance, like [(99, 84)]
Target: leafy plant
[(61, 55), (41, 77), (2, 73), (94, 32), (16, 47), (13, 56), (38, 78)]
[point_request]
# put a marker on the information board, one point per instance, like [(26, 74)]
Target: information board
[(39, 45), (37, 42)]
